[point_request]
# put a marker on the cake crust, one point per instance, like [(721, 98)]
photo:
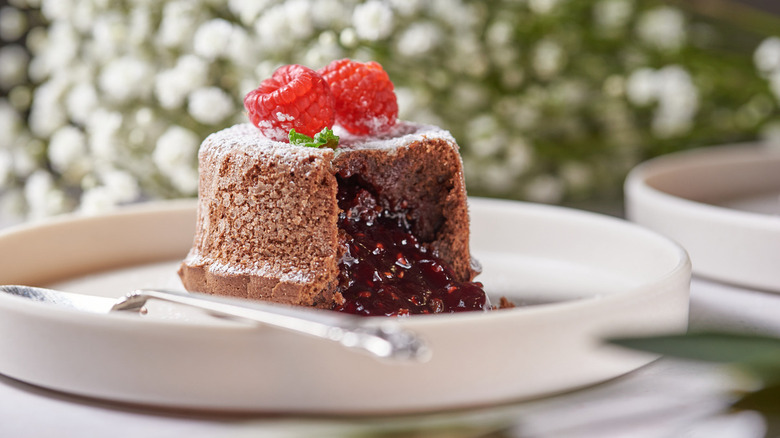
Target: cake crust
[(267, 217)]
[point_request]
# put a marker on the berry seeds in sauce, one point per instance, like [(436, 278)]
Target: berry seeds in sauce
[(386, 270)]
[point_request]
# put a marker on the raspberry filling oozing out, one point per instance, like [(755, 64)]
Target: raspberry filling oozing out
[(385, 270)]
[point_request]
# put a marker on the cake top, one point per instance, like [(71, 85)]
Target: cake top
[(249, 139)]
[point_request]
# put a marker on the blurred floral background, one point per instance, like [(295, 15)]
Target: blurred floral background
[(105, 102)]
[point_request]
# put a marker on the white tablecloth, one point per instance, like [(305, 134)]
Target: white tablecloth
[(668, 398)]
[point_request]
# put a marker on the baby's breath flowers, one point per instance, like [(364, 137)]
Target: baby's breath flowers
[(105, 103)]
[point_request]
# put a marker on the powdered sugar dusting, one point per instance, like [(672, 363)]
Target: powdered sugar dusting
[(248, 139), (282, 117), (401, 134)]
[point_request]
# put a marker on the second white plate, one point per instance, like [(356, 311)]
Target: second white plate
[(722, 204)]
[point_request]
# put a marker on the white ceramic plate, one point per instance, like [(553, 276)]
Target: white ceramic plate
[(721, 204), (599, 276)]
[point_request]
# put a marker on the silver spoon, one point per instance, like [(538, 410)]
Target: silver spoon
[(382, 337)]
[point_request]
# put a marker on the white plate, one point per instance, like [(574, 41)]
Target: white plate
[(600, 276), (721, 204)]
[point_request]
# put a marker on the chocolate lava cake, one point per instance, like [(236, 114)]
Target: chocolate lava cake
[(377, 225)]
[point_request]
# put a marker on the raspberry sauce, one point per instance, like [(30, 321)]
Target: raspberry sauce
[(385, 270)]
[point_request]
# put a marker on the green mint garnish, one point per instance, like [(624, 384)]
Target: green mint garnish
[(325, 138)]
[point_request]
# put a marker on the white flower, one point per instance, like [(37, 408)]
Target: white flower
[(348, 38), (96, 200), (247, 10), (46, 113), (108, 36), (179, 21), (774, 84), (469, 56), (544, 188), (330, 14), (82, 14), (519, 155), (174, 154), (456, 13), (548, 58), (419, 39), (241, 49), (470, 95), (326, 49), (102, 129), (67, 149), (678, 101), (569, 93), (767, 55), (299, 18), (273, 30), (121, 185), (6, 167), (125, 78), (610, 15), (13, 24), (10, 123), (500, 33), (542, 7), (80, 101), (482, 135), (577, 175), (144, 117), (141, 26), (770, 134), (372, 20), (57, 9), (497, 177), (212, 38), (25, 156), (283, 26), (407, 101), (673, 90), (172, 86), (12, 205), (512, 77), (641, 87), (264, 69), (406, 7), (59, 50), (663, 28), (43, 198), (614, 86), (210, 105)]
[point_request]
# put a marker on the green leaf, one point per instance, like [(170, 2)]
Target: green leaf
[(756, 354), (325, 138)]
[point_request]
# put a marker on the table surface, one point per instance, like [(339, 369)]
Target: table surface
[(668, 398)]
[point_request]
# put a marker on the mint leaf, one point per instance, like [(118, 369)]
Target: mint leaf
[(299, 139), (325, 138)]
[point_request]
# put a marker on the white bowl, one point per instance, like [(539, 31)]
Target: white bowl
[(721, 204), (599, 277)]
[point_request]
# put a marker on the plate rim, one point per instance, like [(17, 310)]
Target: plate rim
[(186, 205), (635, 181)]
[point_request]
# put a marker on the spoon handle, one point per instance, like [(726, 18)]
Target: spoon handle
[(382, 337)]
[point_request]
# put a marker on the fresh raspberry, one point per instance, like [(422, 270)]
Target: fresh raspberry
[(364, 99), (294, 97)]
